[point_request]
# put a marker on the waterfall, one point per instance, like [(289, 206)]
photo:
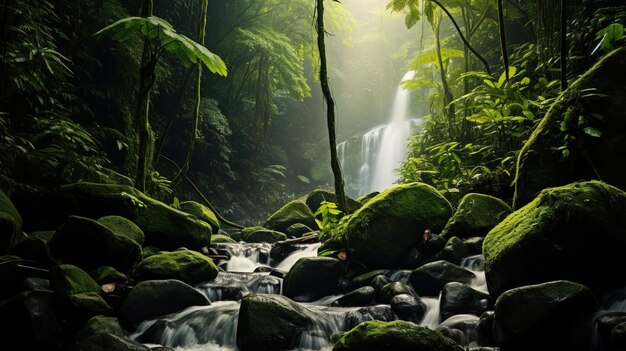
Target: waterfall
[(371, 163)]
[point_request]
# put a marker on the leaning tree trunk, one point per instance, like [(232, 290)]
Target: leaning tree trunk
[(330, 105), (146, 81), (196, 120)]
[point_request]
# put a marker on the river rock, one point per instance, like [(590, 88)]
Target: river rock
[(202, 212), (297, 230), (163, 226), (29, 321), (222, 238), (107, 342), (381, 232), (77, 289), (366, 278), (315, 198), (429, 279), (382, 313), (575, 232), (459, 298), (270, 322), (396, 335), (312, 278), (454, 251), (392, 289), (379, 282), (154, 298), (89, 244), (618, 336), (603, 327), (107, 275), (547, 316), (484, 329), (293, 212), (123, 227), (599, 92), (476, 215), (261, 235), (188, 266), (363, 296), (408, 307), (34, 247), (10, 223), (100, 324)]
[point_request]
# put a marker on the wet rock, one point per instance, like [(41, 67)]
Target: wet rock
[(484, 329), (381, 313), (363, 296), (454, 251), (221, 238), (461, 328), (396, 335), (392, 289), (408, 307), (280, 252), (475, 245), (10, 223), (86, 243), (618, 336), (366, 278), (380, 233), (123, 227), (262, 235), (379, 282), (153, 298), (604, 326), (106, 275), (297, 230), (432, 246), (34, 247), (76, 289), (459, 298), (294, 212), (575, 232), (100, 324), (185, 265), (312, 278), (429, 279), (476, 215), (548, 316), (202, 212), (107, 342)]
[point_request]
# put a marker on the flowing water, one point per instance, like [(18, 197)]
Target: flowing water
[(370, 162)]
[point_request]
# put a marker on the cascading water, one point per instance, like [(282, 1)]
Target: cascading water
[(371, 164)]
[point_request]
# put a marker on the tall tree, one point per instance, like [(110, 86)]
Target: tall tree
[(330, 109), (503, 45)]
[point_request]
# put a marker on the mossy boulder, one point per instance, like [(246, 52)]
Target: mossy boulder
[(270, 322), (10, 223), (154, 298), (293, 212), (100, 324), (312, 278), (363, 296), (596, 99), (202, 212), (89, 244), (575, 232), (396, 335), (163, 226), (261, 235), (389, 291), (222, 238), (297, 230), (475, 216), (76, 288), (380, 234), (123, 227), (34, 246), (429, 279), (188, 266), (315, 198), (106, 275), (556, 321)]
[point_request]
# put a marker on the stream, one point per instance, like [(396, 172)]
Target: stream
[(214, 327)]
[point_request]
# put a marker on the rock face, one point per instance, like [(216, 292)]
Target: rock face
[(202, 212), (270, 322), (294, 212), (163, 226), (89, 244), (575, 232), (556, 321), (396, 335), (381, 233), (10, 223), (597, 97), (188, 266), (430, 278), (476, 215), (312, 278)]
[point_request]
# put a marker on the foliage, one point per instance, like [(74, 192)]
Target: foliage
[(610, 37), (327, 214)]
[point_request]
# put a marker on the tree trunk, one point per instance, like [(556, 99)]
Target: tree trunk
[(563, 45), (548, 30), (196, 120), (448, 106), (503, 47), (330, 105), (146, 80)]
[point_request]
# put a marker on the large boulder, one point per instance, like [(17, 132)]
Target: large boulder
[(99, 324), (89, 244), (10, 223), (396, 335), (261, 235), (202, 212), (75, 288), (576, 232), (315, 198), (154, 298), (476, 215), (380, 234), (459, 298), (429, 279), (294, 212), (596, 100), (312, 278), (548, 316), (163, 226), (270, 322), (123, 227), (188, 266)]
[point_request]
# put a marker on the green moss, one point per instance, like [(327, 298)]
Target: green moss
[(106, 274), (475, 216), (188, 266), (123, 227), (396, 335), (202, 212), (90, 301), (100, 324), (150, 251), (294, 212), (68, 280), (261, 235), (222, 238)]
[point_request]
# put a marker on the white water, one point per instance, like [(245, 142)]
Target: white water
[(431, 318), (308, 251), (381, 150), (476, 264)]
